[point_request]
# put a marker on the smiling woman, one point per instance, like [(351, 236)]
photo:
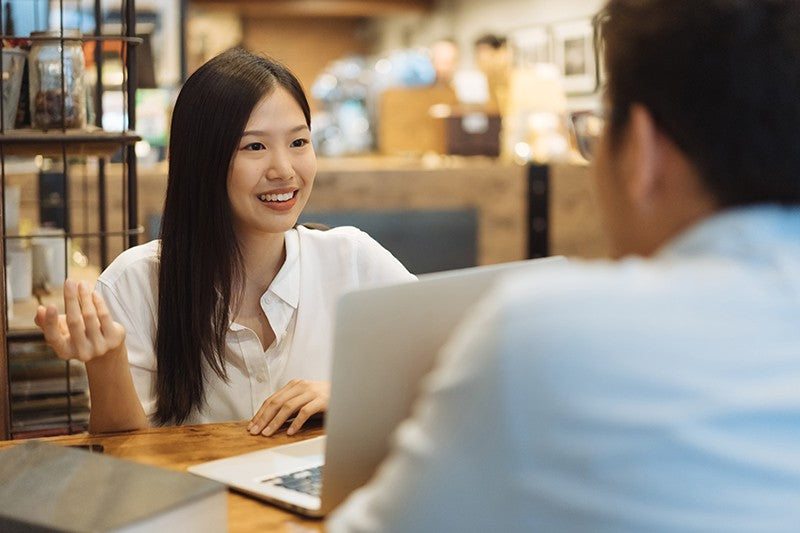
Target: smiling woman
[(273, 167), (229, 315)]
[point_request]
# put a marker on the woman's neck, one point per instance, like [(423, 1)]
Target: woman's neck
[(263, 256)]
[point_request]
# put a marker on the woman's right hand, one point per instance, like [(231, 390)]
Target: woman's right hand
[(86, 330)]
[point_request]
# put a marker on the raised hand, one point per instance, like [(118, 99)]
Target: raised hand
[(86, 330)]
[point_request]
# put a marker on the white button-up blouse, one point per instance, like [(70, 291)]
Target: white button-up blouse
[(299, 304)]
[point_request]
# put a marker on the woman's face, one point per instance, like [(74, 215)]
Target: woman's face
[(273, 168)]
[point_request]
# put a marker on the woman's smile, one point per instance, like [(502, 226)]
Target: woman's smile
[(283, 201)]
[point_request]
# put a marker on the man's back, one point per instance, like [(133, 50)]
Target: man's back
[(655, 394), (645, 396), (663, 395)]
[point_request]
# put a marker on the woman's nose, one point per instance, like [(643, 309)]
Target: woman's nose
[(280, 166)]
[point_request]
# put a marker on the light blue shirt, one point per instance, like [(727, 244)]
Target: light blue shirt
[(649, 395)]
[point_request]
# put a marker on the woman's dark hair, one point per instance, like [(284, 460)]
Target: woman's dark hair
[(201, 263), (721, 78)]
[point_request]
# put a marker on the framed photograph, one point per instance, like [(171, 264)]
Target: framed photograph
[(530, 46), (599, 54), (574, 54)]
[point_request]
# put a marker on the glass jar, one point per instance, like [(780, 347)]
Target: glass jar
[(57, 96)]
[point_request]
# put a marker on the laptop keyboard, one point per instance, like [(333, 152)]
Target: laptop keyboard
[(307, 481)]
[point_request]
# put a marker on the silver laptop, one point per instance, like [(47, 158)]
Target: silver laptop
[(385, 340)]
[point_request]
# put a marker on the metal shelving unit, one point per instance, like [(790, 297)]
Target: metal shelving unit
[(31, 379)]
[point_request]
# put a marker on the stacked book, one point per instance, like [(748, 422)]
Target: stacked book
[(52, 488), (48, 396)]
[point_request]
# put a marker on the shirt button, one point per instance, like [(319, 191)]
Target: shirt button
[(261, 378)]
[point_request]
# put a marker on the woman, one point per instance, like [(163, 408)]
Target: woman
[(229, 315)]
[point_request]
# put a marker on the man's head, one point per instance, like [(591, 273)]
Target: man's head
[(718, 84), (490, 52), (445, 56)]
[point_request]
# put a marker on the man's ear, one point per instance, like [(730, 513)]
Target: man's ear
[(644, 151)]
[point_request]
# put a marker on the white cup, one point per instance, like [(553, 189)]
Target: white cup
[(49, 256), (42, 268), (20, 259), (9, 294), (12, 209)]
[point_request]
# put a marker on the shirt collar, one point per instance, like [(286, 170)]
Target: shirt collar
[(279, 302), (286, 284), (752, 232), (280, 299)]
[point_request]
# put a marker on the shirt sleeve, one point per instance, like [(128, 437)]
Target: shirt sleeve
[(377, 264), (130, 304), (445, 470)]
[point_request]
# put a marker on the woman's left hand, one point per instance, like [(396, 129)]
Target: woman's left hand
[(301, 398)]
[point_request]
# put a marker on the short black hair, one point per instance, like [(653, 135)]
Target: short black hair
[(721, 78), (492, 40)]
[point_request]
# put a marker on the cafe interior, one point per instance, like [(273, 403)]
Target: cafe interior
[(442, 128)]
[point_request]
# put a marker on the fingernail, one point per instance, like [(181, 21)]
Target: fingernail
[(291, 431), (267, 431)]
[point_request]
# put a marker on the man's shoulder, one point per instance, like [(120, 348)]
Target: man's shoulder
[(625, 291), (578, 279)]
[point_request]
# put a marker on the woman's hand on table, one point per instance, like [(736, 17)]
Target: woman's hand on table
[(298, 398), (85, 330)]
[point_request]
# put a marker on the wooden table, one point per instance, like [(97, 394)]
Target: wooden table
[(181, 446)]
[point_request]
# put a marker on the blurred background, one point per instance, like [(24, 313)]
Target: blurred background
[(442, 128)]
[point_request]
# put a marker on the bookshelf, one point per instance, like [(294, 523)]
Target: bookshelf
[(58, 219)]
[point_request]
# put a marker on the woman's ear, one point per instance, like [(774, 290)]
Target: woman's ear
[(644, 153)]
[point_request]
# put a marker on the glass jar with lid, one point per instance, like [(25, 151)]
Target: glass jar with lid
[(56, 79)]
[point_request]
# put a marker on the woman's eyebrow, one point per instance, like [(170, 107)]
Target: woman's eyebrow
[(296, 129)]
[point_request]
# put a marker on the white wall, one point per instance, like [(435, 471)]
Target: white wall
[(465, 20), (166, 44)]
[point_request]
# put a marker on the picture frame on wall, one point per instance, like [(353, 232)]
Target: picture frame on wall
[(574, 54), (599, 54)]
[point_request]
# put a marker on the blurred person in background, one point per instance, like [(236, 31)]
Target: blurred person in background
[(659, 391), (445, 57), (493, 58)]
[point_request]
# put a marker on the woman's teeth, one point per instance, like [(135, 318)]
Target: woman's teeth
[(276, 197)]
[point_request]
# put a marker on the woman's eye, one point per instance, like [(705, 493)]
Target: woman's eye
[(254, 146), (297, 143)]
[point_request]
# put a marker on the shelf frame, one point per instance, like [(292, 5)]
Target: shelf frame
[(63, 143)]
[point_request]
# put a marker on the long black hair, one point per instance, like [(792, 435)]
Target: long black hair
[(201, 263)]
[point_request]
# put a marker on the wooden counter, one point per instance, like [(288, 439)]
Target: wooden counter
[(379, 185), (497, 192)]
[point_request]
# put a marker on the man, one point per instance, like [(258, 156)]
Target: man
[(660, 392), (493, 58), (445, 57)]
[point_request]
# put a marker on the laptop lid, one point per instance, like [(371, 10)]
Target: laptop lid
[(385, 340)]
